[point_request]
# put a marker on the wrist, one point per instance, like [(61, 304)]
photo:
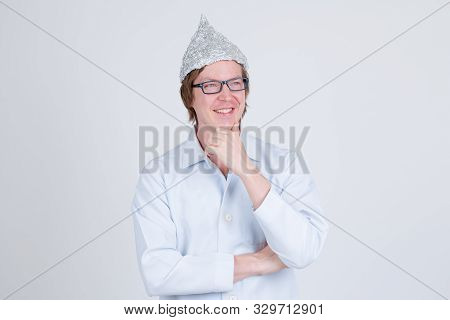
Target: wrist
[(256, 264), (245, 265), (248, 169)]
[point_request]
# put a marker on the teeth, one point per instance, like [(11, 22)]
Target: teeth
[(224, 110)]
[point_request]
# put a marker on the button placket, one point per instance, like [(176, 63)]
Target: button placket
[(225, 218)]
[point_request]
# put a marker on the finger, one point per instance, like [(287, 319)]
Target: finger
[(222, 129), (217, 138), (209, 150), (212, 138), (226, 128), (213, 144), (222, 134)]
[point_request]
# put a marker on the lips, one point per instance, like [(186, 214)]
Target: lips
[(224, 111)]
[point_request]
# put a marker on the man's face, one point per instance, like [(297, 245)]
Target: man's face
[(207, 105)]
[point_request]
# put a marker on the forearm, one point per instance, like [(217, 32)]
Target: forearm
[(293, 226), (294, 229), (169, 273), (256, 184)]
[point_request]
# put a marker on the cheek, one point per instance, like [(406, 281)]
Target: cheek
[(241, 99), (203, 101), (202, 106)]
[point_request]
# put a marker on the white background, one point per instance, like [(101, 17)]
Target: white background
[(378, 147)]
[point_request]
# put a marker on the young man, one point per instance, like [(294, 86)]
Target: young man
[(214, 221)]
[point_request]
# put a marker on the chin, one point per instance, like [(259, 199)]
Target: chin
[(226, 118)]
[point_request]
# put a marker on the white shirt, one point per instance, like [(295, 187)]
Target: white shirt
[(190, 220)]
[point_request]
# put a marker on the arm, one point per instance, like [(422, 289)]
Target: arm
[(290, 220), (259, 263), (256, 184), (164, 270)]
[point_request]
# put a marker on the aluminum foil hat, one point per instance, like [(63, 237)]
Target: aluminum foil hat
[(208, 46)]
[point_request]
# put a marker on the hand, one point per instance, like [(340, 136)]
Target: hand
[(259, 263), (226, 146), (268, 261)]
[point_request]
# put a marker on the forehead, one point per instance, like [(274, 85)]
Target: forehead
[(221, 70)]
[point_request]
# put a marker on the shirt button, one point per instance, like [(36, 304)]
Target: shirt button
[(228, 217), (232, 297)]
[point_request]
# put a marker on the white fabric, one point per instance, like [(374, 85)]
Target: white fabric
[(190, 221)]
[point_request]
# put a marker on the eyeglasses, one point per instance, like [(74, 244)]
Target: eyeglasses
[(215, 86)]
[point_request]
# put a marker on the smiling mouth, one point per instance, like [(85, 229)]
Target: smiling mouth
[(224, 111)]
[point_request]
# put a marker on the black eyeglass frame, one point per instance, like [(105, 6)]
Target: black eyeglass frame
[(222, 82)]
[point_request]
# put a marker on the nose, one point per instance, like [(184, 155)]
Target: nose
[(226, 94)]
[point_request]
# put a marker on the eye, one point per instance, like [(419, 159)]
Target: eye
[(211, 85), (236, 84)]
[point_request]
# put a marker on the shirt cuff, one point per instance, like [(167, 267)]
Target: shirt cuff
[(224, 272)]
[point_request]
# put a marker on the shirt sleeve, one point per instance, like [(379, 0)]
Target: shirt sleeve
[(165, 270), (291, 217)]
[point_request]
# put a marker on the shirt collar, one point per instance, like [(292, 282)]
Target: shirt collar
[(192, 151)]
